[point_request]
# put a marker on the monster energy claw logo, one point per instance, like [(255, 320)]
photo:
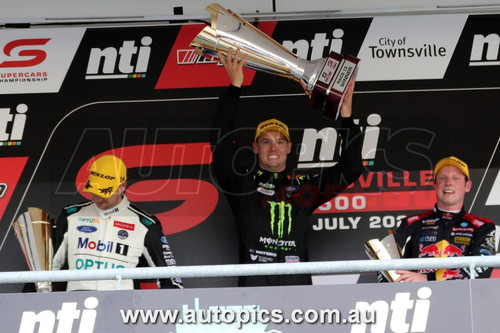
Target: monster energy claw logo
[(284, 211)]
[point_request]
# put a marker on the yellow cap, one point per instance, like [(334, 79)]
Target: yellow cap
[(107, 173), (452, 160), (272, 125)]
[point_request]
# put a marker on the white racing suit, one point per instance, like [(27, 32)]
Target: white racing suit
[(121, 237)]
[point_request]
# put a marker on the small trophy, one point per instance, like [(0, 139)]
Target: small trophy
[(387, 248), (324, 80), (32, 230)]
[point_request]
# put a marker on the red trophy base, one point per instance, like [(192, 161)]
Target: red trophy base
[(331, 84)]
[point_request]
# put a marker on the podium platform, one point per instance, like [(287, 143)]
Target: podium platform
[(451, 306)]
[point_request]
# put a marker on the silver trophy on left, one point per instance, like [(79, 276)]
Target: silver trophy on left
[(32, 230)]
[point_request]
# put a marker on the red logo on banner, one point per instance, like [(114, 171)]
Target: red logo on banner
[(10, 171), (379, 202), (197, 198), (29, 57), (185, 69)]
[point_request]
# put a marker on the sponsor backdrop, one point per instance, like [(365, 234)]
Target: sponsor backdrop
[(427, 87)]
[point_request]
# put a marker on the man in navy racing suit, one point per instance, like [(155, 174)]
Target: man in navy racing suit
[(271, 207), (109, 231), (447, 230)]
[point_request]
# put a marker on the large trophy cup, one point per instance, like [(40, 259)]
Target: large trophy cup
[(32, 230), (324, 80)]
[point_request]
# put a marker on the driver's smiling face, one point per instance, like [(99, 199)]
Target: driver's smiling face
[(272, 149), (451, 186)]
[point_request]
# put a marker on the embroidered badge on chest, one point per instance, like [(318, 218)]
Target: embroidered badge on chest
[(266, 191), (266, 188), (291, 191), (122, 234)]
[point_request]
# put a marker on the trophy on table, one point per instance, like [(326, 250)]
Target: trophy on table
[(32, 230), (324, 80)]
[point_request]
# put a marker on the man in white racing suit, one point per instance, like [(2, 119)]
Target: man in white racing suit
[(109, 231)]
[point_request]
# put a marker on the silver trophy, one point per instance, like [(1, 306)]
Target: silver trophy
[(324, 80), (32, 230)]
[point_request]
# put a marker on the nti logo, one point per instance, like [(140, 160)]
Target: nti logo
[(128, 61), (485, 50), (330, 144), (399, 312), (315, 48), (12, 125), (68, 319)]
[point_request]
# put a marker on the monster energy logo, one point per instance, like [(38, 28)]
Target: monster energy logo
[(284, 210)]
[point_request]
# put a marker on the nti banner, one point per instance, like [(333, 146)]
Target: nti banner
[(394, 307), (427, 88)]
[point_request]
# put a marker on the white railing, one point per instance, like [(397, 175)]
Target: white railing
[(321, 267)]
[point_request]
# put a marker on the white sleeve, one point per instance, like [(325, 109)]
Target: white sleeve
[(61, 255)]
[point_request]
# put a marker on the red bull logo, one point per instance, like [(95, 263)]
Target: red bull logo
[(453, 251), (448, 274), (441, 249), (429, 251)]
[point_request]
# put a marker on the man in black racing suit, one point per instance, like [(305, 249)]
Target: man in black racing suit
[(271, 207), (109, 232), (447, 230)]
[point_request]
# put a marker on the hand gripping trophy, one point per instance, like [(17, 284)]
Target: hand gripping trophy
[(324, 80)]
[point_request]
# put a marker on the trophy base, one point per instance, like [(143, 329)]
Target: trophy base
[(43, 287), (331, 84)]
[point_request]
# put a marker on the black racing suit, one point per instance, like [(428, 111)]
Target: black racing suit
[(436, 233), (271, 209), (121, 237)]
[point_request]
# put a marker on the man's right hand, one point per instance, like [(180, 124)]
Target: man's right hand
[(409, 276), (234, 66)]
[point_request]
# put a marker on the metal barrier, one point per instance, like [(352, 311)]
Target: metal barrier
[(321, 267)]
